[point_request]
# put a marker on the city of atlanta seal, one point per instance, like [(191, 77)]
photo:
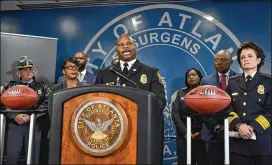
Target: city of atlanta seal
[(99, 126)]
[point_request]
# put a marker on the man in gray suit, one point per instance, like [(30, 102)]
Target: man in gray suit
[(84, 76), (212, 130)]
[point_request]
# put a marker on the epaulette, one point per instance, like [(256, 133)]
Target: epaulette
[(235, 76), (266, 75)]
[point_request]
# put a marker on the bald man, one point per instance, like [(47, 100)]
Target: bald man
[(212, 131), (147, 78), (84, 76)]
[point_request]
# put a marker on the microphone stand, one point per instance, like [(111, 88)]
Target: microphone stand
[(112, 68)]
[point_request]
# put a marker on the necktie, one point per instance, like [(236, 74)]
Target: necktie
[(223, 82), (248, 79), (125, 70)]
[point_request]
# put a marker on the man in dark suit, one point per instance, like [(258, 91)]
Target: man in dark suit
[(147, 78), (212, 130), (84, 75)]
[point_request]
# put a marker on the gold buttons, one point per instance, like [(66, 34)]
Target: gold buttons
[(244, 114), (244, 103), (245, 93)]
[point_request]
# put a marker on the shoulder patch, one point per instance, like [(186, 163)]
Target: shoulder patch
[(266, 75), (160, 78)]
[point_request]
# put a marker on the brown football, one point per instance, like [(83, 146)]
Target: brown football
[(19, 97), (207, 99)]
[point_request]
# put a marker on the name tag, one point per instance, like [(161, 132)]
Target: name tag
[(234, 94)]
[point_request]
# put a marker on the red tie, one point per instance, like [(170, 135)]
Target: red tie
[(223, 83)]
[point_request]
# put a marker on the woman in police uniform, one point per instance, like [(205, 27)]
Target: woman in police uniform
[(251, 109), (179, 112)]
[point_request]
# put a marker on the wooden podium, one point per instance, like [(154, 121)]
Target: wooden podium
[(105, 125)]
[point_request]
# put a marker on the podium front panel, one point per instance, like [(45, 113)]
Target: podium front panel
[(143, 142)]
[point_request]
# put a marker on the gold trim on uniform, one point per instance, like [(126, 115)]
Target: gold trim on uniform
[(264, 123), (260, 89), (160, 78), (234, 116), (143, 79)]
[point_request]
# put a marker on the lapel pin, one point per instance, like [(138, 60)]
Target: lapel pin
[(134, 70)]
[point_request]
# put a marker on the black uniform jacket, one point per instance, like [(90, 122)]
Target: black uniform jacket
[(147, 78), (180, 111), (251, 104), (43, 92)]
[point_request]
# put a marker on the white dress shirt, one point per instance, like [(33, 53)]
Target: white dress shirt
[(130, 63)]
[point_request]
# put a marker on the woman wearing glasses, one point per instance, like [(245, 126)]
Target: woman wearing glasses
[(70, 71)]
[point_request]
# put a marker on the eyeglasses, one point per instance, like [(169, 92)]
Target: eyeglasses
[(71, 67), (24, 58)]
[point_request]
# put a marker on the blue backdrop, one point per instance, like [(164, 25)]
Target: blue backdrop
[(172, 37)]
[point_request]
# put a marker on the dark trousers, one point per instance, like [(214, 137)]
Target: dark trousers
[(16, 136), (199, 156), (237, 159), (215, 153)]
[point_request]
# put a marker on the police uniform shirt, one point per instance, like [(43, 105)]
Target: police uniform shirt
[(147, 78), (130, 63), (252, 75), (251, 104)]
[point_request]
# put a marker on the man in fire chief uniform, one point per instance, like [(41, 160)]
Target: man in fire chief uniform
[(146, 77), (251, 108), (18, 125)]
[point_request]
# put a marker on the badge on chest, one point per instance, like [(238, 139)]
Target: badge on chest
[(143, 79), (260, 89)]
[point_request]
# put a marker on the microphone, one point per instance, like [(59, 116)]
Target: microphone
[(112, 68)]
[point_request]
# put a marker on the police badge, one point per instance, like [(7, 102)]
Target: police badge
[(143, 79), (260, 89)]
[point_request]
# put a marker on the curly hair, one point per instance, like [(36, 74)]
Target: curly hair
[(251, 45)]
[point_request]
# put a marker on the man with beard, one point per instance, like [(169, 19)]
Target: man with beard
[(83, 75), (147, 78), (212, 131)]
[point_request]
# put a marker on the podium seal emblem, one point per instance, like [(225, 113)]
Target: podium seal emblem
[(99, 126)]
